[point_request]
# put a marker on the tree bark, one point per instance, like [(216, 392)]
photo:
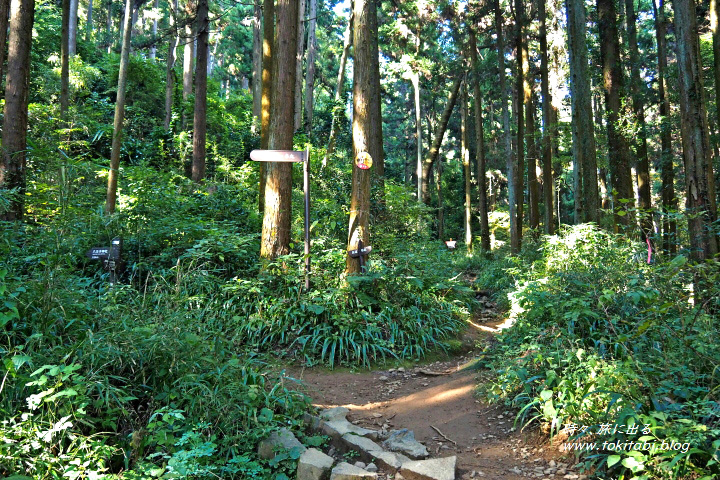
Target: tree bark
[(437, 142), (299, 64), (523, 93), (200, 118), (547, 173), (188, 60), (275, 239), (366, 124), (64, 60), (667, 172), (119, 111), (465, 153), (14, 133), (153, 47), (267, 80), (440, 199), (72, 28), (257, 65), (618, 149), (532, 153), (587, 201), (109, 27), (507, 133), (695, 138), (479, 147), (338, 108), (641, 146), (170, 69), (310, 75), (4, 18)]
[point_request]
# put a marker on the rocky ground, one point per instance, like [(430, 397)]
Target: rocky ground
[(438, 402)]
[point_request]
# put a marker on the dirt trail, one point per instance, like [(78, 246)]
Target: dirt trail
[(444, 413)]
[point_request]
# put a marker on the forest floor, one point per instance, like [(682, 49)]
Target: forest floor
[(438, 401)]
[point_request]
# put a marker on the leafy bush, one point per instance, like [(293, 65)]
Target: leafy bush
[(602, 339)]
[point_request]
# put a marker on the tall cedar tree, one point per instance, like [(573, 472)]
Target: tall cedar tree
[(523, 93), (14, 134), (299, 64), (667, 171), (547, 173), (507, 134), (618, 149), (188, 57), (275, 239), (310, 74), (267, 76), (65, 60), (200, 118), (587, 200), (366, 123), (695, 139), (119, 111), (338, 109), (465, 152), (4, 17), (257, 64), (170, 68)]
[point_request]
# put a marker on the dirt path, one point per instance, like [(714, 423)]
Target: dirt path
[(444, 413)]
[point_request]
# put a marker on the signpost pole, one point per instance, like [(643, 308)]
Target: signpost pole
[(306, 189)]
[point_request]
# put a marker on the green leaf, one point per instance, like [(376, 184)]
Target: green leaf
[(634, 465), (546, 395), (612, 460)]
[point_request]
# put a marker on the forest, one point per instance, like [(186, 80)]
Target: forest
[(551, 166)]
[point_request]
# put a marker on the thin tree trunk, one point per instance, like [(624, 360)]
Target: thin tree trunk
[(465, 155), (523, 95), (547, 174), (267, 82), (64, 59), (587, 201), (415, 78), (310, 75), (119, 111), (440, 199), (618, 150), (437, 142), (366, 124), (669, 201), (4, 17), (641, 146), (479, 147), (507, 133), (275, 239), (153, 48), (72, 28), (14, 133), (188, 61), (88, 21), (532, 153), (200, 119), (338, 108), (299, 65), (257, 65), (170, 69), (109, 27), (696, 145)]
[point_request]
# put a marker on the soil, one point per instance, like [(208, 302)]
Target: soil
[(438, 402)]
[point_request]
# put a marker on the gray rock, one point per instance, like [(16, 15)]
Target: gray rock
[(345, 471), (311, 421), (338, 428), (364, 446), (371, 467), (359, 465), (314, 465), (337, 413), (390, 460), (282, 439), (433, 469), (403, 441)]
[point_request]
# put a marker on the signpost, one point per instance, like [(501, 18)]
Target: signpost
[(110, 256), (360, 253), (294, 156)]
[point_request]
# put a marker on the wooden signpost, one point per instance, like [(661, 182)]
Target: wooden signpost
[(293, 156), (360, 253)]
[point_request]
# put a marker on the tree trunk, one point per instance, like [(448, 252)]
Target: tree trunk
[(465, 154), (547, 174), (88, 22), (64, 59), (188, 61), (696, 145), (200, 119), (310, 75), (587, 201), (119, 111), (366, 124), (109, 27), (170, 69), (153, 47), (257, 65), (267, 81), (669, 201), (507, 134), (641, 146), (338, 108), (479, 147), (618, 150), (437, 142), (275, 239), (532, 152), (4, 17), (14, 133), (299, 64), (523, 94), (72, 28)]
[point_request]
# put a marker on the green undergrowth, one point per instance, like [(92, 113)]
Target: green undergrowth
[(166, 374), (617, 359)]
